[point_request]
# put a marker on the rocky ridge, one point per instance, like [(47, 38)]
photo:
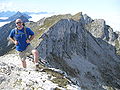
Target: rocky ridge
[(91, 61)]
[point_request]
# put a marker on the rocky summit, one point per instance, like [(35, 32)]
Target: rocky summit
[(89, 61)]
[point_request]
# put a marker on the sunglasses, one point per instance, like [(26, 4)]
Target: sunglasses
[(18, 22)]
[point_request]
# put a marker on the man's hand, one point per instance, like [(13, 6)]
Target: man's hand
[(28, 41), (16, 42)]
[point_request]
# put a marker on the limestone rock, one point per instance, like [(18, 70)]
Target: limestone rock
[(14, 77), (90, 62)]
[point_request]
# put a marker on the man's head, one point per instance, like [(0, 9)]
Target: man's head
[(19, 23)]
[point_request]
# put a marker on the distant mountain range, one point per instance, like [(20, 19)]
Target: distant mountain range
[(7, 13), (11, 13), (15, 16)]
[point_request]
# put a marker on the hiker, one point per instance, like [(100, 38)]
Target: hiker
[(21, 36)]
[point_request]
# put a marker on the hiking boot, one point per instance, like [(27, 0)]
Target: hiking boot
[(43, 61), (37, 66)]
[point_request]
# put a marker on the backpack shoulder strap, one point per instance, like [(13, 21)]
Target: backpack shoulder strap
[(25, 31), (16, 31)]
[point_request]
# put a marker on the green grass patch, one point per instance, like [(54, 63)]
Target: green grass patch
[(58, 78)]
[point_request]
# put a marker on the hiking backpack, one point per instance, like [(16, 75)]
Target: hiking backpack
[(16, 31)]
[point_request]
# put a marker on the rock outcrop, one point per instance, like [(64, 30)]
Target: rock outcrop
[(13, 77), (99, 29), (91, 62)]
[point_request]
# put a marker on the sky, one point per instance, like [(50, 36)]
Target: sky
[(109, 10)]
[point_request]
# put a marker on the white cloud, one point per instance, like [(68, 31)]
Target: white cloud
[(36, 17), (4, 6)]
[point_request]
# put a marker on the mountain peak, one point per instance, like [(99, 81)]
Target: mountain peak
[(77, 16), (18, 12)]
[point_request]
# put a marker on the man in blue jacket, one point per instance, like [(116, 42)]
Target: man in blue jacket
[(21, 36)]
